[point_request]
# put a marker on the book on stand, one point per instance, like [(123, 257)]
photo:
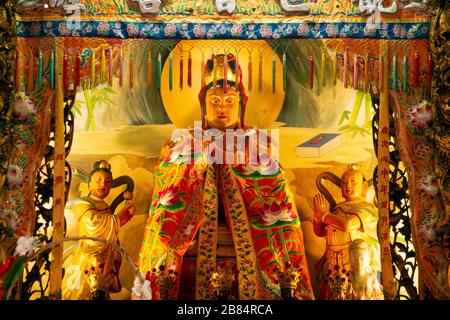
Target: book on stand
[(318, 145)]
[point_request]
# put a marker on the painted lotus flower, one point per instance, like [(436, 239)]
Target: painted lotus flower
[(132, 30), (25, 246), (266, 166), (24, 108), (302, 29), (199, 31), (420, 115), (236, 30), (427, 228), (103, 27), (15, 175), (277, 212), (168, 197), (423, 150), (332, 31), (265, 31)]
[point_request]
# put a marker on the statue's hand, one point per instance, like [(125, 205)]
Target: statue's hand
[(321, 206), (126, 214)]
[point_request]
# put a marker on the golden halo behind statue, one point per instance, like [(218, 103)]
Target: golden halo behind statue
[(183, 106)]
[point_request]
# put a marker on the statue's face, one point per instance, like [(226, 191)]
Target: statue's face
[(100, 184), (222, 110), (352, 185)]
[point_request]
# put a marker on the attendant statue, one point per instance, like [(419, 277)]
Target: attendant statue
[(352, 219), (215, 209), (92, 268)]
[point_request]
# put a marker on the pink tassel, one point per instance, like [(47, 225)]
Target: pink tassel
[(346, 69)]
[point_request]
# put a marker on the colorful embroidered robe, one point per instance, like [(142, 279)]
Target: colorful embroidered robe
[(259, 209)]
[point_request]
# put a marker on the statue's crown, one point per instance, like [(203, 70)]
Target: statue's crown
[(220, 67)]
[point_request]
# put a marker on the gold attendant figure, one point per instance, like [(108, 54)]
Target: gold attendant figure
[(352, 219), (92, 269)]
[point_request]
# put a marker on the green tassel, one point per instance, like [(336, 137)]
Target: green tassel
[(274, 74), (40, 69), (394, 73), (284, 71), (158, 75), (405, 74), (170, 71), (52, 70)]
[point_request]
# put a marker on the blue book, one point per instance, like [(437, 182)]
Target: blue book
[(318, 145)]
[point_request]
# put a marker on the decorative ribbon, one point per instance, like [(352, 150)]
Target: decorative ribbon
[(236, 81), (214, 73), (202, 66)]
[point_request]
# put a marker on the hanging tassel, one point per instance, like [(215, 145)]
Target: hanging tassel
[(181, 70), (149, 69), (40, 70), (274, 73), (260, 73), (381, 74), (430, 74), (334, 73), (225, 77), (65, 72), (394, 73), (311, 71), (52, 70), (189, 75), (158, 74), (416, 69), (131, 69), (31, 73), (18, 78), (355, 72), (405, 73), (77, 71), (120, 67), (103, 66), (110, 67), (170, 71), (214, 74), (237, 72), (202, 66), (345, 68), (93, 84), (366, 73), (323, 80), (250, 72), (284, 71)]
